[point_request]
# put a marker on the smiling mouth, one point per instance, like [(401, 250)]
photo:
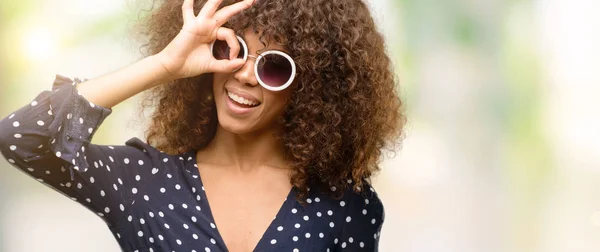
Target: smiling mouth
[(241, 101)]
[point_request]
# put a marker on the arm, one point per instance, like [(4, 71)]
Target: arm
[(49, 138), (111, 89), (187, 55)]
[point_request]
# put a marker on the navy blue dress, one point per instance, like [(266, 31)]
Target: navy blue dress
[(152, 201)]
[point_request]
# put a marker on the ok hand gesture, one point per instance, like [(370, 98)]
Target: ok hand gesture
[(188, 54)]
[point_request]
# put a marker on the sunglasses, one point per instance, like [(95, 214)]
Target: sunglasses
[(274, 70)]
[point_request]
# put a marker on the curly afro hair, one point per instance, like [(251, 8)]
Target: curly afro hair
[(344, 111)]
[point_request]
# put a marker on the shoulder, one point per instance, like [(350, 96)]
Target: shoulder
[(142, 146), (354, 207), (358, 218), (363, 221), (363, 205), (150, 153), (153, 167), (145, 158)]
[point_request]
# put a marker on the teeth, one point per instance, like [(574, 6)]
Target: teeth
[(241, 100)]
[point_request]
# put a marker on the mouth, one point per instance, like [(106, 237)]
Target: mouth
[(241, 103)]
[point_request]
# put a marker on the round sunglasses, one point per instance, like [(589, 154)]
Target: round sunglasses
[(274, 70)]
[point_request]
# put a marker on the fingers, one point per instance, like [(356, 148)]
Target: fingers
[(229, 36), (225, 13), (209, 8), (188, 9), (226, 66)]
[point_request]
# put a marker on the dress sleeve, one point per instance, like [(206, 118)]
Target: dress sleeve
[(49, 139), (362, 222)]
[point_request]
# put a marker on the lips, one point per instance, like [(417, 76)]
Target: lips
[(242, 98)]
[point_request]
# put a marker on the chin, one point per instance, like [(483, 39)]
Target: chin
[(235, 126), (244, 126)]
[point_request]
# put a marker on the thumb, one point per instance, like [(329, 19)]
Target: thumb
[(227, 66)]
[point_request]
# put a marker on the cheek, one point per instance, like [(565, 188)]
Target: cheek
[(219, 80), (278, 103)]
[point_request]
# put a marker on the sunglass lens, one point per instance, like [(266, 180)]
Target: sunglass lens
[(274, 70), (221, 50)]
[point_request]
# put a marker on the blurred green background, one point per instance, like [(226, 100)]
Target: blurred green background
[(503, 143)]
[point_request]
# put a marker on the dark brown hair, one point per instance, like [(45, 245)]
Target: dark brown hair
[(345, 109)]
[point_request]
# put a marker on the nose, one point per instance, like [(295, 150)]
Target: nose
[(246, 73)]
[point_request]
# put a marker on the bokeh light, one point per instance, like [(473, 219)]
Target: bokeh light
[(40, 43)]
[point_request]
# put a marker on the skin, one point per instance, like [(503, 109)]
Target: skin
[(245, 174)]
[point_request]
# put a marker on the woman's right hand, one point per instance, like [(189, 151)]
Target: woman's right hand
[(188, 54)]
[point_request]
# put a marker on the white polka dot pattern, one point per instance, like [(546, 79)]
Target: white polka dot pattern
[(157, 195)]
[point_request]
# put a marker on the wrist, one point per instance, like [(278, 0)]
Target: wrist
[(160, 69)]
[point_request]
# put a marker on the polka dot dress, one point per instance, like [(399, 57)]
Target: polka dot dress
[(152, 201)]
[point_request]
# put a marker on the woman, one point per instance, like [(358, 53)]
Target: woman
[(275, 112)]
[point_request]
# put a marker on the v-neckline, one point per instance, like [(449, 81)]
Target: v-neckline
[(280, 213)]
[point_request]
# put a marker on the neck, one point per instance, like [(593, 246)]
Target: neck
[(244, 152)]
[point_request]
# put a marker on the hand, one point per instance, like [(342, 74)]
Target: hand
[(188, 54)]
